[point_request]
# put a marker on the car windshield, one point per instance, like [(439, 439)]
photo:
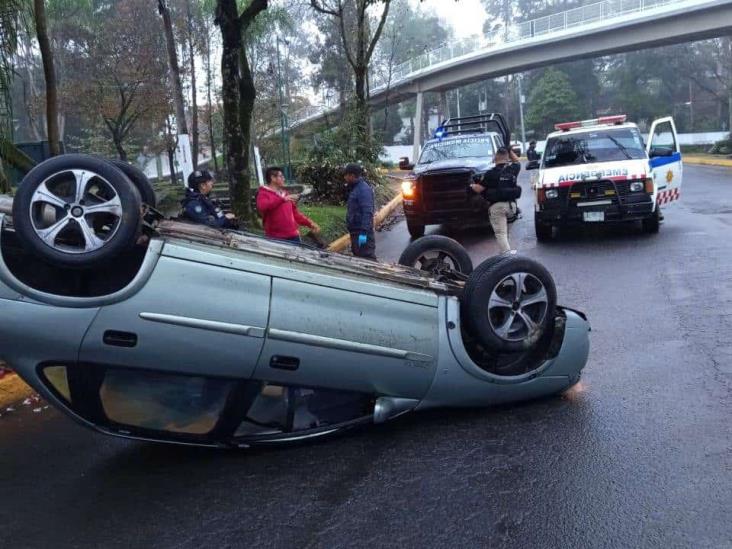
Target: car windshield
[(457, 148), (595, 146)]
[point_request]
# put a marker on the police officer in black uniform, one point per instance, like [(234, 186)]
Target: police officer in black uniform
[(499, 187), (199, 207)]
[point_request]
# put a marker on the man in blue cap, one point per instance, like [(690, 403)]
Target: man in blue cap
[(360, 213)]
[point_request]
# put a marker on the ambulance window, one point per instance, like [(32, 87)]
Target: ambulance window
[(663, 136)]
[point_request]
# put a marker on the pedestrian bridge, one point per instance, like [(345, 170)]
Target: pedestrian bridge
[(594, 30)]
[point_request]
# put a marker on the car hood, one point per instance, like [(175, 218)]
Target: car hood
[(478, 164), (615, 171)]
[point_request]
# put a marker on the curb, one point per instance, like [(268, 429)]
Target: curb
[(705, 161), (342, 242), (12, 390)]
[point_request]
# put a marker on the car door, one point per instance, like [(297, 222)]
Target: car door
[(192, 317), (664, 153)]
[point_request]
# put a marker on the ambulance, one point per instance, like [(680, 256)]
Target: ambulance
[(601, 171)]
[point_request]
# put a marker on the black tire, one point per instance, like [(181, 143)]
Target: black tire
[(139, 180), (434, 253), (494, 278), (544, 231), (108, 218), (415, 230), (653, 223)]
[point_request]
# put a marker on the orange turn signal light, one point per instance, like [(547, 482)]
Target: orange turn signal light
[(649, 185), (408, 189)]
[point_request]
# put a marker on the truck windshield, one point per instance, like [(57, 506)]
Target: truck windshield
[(457, 148), (595, 146)]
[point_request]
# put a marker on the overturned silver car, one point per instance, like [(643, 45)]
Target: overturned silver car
[(200, 336)]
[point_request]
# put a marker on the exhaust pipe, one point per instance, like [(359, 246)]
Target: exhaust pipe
[(6, 205)]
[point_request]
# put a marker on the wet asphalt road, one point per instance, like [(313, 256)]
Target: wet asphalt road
[(638, 456)]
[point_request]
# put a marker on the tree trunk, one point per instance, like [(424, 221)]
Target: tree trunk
[(238, 97), (49, 73), (210, 107), (180, 112), (117, 139), (194, 98), (230, 32)]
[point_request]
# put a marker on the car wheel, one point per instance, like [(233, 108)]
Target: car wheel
[(544, 231), (435, 254), (509, 302), (652, 224), (139, 180), (75, 210), (415, 230)]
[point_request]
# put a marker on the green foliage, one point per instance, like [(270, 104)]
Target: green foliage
[(332, 150), (722, 147), (552, 100)]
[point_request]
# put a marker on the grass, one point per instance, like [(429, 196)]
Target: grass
[(332, 219)]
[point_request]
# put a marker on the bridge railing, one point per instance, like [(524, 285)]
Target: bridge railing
[(525, 30)]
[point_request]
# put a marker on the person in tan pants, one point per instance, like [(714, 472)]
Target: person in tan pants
[(499, 186)]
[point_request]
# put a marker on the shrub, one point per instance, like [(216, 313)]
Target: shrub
[(722, 147)]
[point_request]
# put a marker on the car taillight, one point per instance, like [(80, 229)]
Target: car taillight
[(541, 196), (649, 185), (408, 186)]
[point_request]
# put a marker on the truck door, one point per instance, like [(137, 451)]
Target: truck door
[(664, 155)]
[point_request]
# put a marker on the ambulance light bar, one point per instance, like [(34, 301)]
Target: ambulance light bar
[(617, 119)]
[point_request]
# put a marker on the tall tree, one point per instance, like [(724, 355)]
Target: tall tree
[(44, 44), (239, 94), (180, 111), (551, 100), (359, 43)]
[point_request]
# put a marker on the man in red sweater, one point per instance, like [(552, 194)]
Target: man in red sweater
[(278, 209)]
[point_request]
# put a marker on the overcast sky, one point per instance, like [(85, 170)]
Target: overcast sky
[(464, 16)]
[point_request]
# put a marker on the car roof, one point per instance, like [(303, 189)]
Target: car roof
[(585, 129)]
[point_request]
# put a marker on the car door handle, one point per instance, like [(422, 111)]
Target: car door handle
[(284, 362), (119, 339)]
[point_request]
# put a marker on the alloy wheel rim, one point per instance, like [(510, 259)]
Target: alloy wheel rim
[(517, 307), (75, 211)]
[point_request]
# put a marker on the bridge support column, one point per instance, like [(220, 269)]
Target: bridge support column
[(418, 126)]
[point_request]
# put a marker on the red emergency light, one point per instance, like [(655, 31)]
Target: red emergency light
[(615, 119)]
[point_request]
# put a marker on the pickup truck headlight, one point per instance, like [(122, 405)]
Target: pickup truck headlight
[(552, 193), (408, 186), (636, 186)]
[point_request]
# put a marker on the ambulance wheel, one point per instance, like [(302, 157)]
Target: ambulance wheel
[(544, 231), (436, 254), (77, 211), (415, 229), (509, 302), (652, 224)]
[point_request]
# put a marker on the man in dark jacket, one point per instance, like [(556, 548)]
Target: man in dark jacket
[(499, 187), (531, 154), (199, 207), (360, 213)]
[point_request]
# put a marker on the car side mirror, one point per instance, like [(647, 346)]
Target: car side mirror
[(532, 165), (404, 163), (660, 151)]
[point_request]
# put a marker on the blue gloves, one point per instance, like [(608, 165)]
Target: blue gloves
[(362, 238)]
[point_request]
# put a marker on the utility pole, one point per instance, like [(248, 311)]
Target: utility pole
[(521, 115), (283, 118)]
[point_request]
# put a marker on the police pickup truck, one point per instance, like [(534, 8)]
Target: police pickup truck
[(436, 189), (600, 171)]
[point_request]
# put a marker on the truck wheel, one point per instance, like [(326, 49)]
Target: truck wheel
[(138, 179), (75, 210), (435, 254), (544, 231), (509, 303), (415, 230), (652, 224)]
